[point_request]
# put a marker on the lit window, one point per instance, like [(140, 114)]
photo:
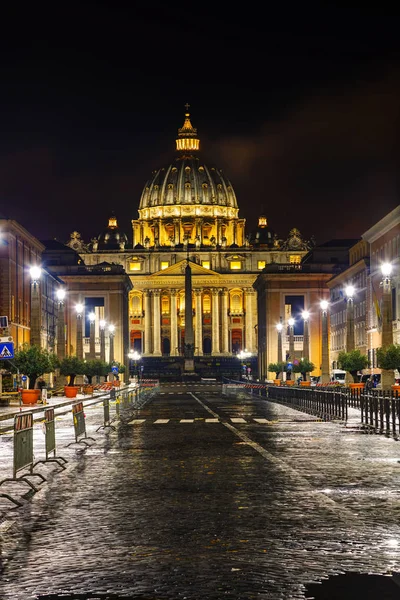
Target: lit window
[(165, 305), (235, 265), (205, 264), (206, 303), (295, 259), (260, 264), (164, 264), (135, 266)]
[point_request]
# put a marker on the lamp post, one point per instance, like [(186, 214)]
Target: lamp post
[(135, 356), (60, 324), (92, 340), (102, 325), (242, 355), (279, 328), (111, 333), (350, 325), (35, 273), (79, 336), (387, 318), (291, 345), (306, 334), (324, 304)]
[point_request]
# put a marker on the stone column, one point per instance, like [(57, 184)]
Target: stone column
[(147, 322), (156, 323), (198, 332), (177, 231), (215, 322), (224, 322), (249, 296), (174, 324)]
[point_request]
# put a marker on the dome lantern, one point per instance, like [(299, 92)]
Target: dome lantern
[(187, 135)]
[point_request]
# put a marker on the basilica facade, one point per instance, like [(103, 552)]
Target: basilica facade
[(189, 214)]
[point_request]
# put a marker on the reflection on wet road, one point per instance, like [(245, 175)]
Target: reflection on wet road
[(201, 496)]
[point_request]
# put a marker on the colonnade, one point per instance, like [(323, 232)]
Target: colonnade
[(220, 321)]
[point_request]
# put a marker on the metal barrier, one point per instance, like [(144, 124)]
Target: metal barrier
[(106, 412), (50, 443), (23, 453), (79, 425)]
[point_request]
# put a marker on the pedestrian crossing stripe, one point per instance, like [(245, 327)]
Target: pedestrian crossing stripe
[(210, 420)]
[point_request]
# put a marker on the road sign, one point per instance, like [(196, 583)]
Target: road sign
[(6, 350), (114, 369), (24, 378)]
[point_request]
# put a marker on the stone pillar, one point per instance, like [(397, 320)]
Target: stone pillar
[(215, 322), (198, 332), (224, 322), (176, 231), (174, 324), (156, 323), (249, 296), (147, 323)]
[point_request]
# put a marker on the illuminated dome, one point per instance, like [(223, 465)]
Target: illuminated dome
[(187, 183), (112, 238), (188, 202)]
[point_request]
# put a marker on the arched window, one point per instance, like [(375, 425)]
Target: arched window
[(165, 305), (206, 303), (136, 305)]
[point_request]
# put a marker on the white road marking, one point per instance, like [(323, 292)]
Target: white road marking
[(212, 420), (136, 422), (186, 421), (262, 421), (161, 421), (238, 420)]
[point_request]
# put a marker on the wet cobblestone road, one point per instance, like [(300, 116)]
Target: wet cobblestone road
[(200, 496)]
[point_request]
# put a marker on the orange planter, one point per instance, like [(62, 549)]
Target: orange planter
[(305, 383), (30, 396), (277, 381), (356, 386), (71, 391), (290, 382)]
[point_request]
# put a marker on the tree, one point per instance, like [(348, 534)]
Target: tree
[(352, 362), (277, 368), (304, 366), (33, 362), (389, 357), (71, 366), (95, 368)]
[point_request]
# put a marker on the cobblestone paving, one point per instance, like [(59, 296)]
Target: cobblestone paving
[(200, 496)]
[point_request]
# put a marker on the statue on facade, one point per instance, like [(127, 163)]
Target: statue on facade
[(76, 242)]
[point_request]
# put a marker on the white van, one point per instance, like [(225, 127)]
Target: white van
[(338, 375)]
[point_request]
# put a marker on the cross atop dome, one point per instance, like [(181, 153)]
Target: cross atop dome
[(187, 134)]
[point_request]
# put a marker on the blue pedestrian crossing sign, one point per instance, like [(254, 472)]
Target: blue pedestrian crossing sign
[(114, 369), (6, 350)]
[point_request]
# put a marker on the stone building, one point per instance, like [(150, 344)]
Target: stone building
[(189, 214)]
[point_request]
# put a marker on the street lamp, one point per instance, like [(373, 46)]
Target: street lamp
[(135, 356), (111, 333), (324, 304), (350, 318), (291, 322), (79, 337), (60, 324), (102, 325), (279, 328), (387, 320), (242, 355), (306, 335), (35, 273), (92, 340)]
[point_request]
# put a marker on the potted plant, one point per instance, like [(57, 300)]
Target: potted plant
[(277, 368), (71, 366), (304, 366), (33, 362), (389, 360), (352, 362)]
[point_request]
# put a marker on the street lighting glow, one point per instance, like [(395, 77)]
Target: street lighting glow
[(134, 355), (111, 328), (291, 321), (350, 291), (92, 317), (35, 273), (324, 304), (386, 269), (305, 315), (102, 323), (279, 326), (79, 309), (61, 294)]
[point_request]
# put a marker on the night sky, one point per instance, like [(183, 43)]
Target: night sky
[(299, 109)]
